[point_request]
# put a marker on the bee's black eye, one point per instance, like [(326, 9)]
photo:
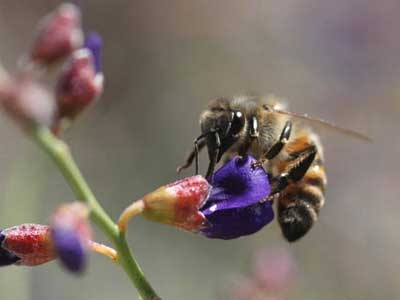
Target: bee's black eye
[(237, 122)]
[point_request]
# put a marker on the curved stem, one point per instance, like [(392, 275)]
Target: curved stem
[(132, 210), (59, 152), (104, 250)]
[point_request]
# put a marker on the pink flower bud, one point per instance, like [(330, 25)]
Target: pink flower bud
[(28, 102), (58, 34), (79, 84), (178, 203), (30, 244), (71, 234)]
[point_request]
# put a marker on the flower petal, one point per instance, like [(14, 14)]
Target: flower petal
[(234, 207), (71, 233), (70, 249), (233, 223), (94, 43)]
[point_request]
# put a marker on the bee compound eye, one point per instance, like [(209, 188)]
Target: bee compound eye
[(237, 122)]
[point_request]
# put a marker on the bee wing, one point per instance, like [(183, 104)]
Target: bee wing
[(323, 123)]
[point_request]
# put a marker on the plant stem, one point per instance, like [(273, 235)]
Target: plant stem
[(59, 152)]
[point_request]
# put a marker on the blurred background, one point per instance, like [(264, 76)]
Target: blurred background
[(163, 61)]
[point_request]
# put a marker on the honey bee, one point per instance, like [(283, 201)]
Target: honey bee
[(290, 153)]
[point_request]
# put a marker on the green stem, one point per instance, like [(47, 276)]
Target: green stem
[(59, 152)]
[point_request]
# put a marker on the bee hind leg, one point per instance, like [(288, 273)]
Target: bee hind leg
[(295, 173)]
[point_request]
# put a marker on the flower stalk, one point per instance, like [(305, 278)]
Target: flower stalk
[(131, 211), (104, 250), (60, 153)]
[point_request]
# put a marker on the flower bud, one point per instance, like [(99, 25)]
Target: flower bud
[(27, 245), (71, 233), (79, 84), (178, 203), (58, 34), (236, 206), (28, 102)]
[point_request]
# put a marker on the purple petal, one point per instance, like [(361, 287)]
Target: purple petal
[(6, 257), (94, 43), (70, 249), (234, 208), (233, 223)]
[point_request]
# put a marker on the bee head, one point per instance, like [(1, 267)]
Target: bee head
[(222, 129)]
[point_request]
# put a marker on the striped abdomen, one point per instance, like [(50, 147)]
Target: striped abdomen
[(300, 202)]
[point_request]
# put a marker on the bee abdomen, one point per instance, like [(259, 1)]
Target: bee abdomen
[(300, 203), (296, 219)]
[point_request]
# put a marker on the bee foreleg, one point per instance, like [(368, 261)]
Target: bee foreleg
[(214, 156), (283, 139), (199, 144), (296, 172)]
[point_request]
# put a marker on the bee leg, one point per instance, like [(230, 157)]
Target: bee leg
[(214, 157), (199, 144), (296, 173), (254, 127), (283, 139), (278, 146)]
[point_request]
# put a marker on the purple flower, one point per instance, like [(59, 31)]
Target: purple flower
[(67, 238), (70, 249), (71, 233), (235, 204), (235, 207)]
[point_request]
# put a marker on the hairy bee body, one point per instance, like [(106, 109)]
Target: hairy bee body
[(250, 125)]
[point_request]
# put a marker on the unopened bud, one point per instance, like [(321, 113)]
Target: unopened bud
[(178, 203), (79, 84), (27, 245), (58, 35), (28, 102)]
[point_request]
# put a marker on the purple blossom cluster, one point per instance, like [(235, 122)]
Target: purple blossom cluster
[(234, 204), (58, 40)]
